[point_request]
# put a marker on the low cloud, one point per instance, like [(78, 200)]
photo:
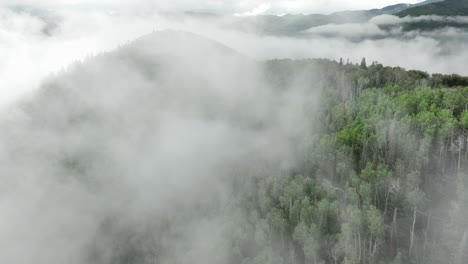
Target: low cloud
[(218, 6), (117, 149), (390, 19), (259, 10), (27, 51), (348, 30), (136, 150)]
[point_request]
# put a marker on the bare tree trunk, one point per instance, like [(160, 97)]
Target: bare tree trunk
[(334, 254), (393, 233), (375, 247), (364, 153), (466, 144), (359, 247), (445, 157), (427, 231), (412, 231), (441, 150), (387, 194), (364, 253), (355, 244), (466, 149), (376, 198), (462, 248), (460, 147)]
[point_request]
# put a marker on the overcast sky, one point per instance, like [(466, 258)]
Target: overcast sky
[(85, 28), (225, 6)]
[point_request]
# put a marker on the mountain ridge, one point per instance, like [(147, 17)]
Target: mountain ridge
[(296, 24), (442, 8)]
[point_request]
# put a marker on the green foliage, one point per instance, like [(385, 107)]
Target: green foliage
[(386, 140), (444, 8), (464, 120)]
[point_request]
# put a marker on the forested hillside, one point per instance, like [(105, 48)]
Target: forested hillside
[(443, 8), (385, 177), (417, 17), (177, 149)]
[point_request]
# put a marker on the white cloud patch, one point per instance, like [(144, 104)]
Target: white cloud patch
[(126, 156), (259, 10), (389, 19), (229, 6), (137, 138), (385, 19), (27, 55), (348, 30)]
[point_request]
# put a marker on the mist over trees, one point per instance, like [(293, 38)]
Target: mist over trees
[(386, 175), (177, 149)]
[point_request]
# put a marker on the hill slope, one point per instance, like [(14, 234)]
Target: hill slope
[(176, 149), (296, 24), (136, 153), (444, 8)]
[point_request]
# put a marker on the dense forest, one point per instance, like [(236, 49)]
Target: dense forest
[(385, 175), (440, 8), (231, 132), (159, 153)]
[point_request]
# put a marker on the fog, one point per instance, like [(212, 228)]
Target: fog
[(126, 136), (120, 148), (219, 6), (36, 47)]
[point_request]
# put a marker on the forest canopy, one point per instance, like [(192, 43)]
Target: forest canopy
[(158, 153), (385, 182)]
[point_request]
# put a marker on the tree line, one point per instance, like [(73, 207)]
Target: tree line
[(385, 173)]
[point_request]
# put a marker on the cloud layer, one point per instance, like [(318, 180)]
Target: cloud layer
[(229, 6), (77, 33), (137, 150), (111, 151)]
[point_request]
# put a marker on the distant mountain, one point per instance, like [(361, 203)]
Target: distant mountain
[(427, 2), (439, 8), (50, 19), (174, 140), (296, 24)]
